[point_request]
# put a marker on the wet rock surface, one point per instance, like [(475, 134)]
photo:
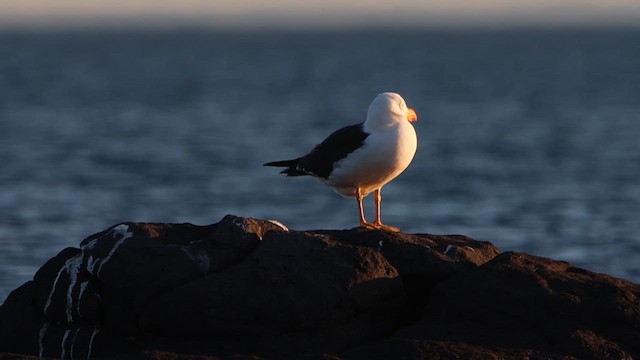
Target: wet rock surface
[(251, 289)]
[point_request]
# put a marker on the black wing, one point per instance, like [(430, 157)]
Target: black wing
[(319, 162)]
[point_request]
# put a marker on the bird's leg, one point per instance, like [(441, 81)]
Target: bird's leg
[(377, 223), (363, 221), (377, 198)]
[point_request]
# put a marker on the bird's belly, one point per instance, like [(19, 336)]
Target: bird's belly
[(372, 166)]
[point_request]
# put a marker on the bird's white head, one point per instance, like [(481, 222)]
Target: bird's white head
[(389, 109)]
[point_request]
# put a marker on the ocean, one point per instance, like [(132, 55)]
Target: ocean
[(527, 138)]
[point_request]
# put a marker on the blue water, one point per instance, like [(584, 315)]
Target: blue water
[(528, 139)]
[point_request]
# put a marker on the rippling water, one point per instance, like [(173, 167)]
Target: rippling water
[(528, 139)]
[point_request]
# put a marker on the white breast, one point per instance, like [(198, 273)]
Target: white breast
[(386, 153)]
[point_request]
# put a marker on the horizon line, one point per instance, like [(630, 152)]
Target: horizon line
[(199, 26), (308, 22)]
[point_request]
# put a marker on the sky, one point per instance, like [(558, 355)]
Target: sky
[(318, 13)]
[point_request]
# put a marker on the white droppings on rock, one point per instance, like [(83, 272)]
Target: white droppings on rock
[(73, 270), (90, 245), (91, 262), (53, 289), (449, 248), (72, 264), (63, 348), (278, 223), (73, 343), (41, 335), (120, 230), (96, 331), (83, 287)]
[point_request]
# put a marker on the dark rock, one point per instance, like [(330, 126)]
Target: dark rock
[(11, 356), (423, 260), (20, 321), (405, 348), (251, 289), (294, 283), (524, 302)]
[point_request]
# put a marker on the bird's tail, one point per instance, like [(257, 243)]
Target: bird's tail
[(290, 165)]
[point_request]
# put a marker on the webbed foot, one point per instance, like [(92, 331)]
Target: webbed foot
[(379, 226)]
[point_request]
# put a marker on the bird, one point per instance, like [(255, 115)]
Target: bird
[(359, 159)]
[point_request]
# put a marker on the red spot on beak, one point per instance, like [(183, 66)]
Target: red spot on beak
[(411, 115)]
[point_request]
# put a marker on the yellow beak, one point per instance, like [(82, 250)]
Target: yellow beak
[(411, 115)]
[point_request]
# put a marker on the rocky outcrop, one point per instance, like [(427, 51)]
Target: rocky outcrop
[(247, 288)]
